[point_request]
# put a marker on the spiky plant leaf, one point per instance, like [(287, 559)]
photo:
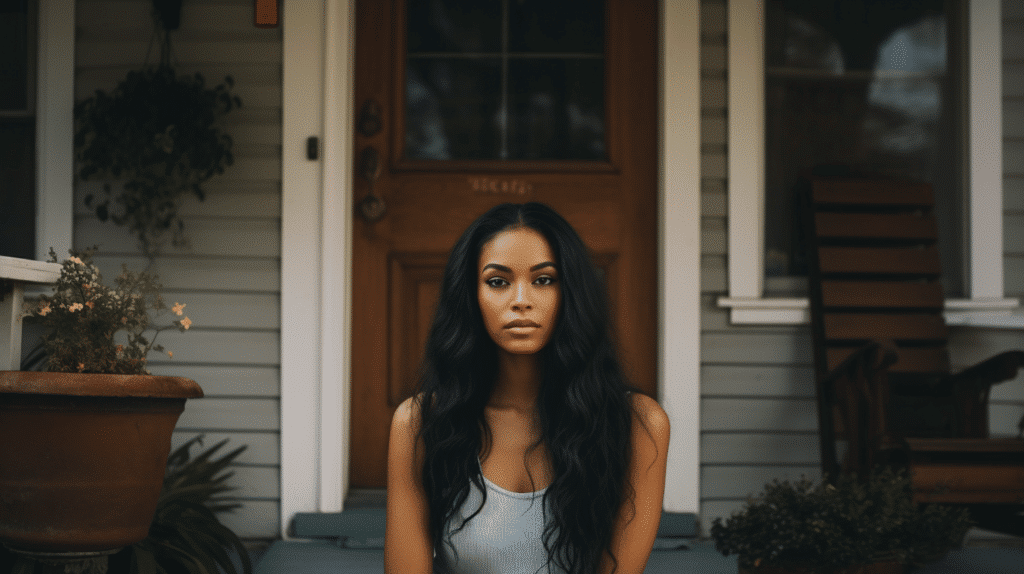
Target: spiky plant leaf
[(186, 537)]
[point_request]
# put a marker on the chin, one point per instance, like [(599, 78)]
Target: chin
[(522, 348)]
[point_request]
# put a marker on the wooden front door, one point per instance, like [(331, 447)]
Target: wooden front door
[(464, 104)]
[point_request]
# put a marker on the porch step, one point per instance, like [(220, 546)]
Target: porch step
[(363, 527), (318, 556)]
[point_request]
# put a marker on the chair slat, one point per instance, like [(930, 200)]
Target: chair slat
[(901, 327), (917, 361), (872, 192), (886, 260), (875, 226), (959, 483), (889, 294), (966, 445)]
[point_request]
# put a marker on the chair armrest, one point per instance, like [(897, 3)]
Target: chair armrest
[(994, 370), (972, 385), (857, 391), (874, 356)]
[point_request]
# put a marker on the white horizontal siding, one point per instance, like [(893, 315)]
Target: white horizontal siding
[(722, 482), (181, 272), (758, 414), (262, 448), (799, 448), (229, 274), (221, 237)]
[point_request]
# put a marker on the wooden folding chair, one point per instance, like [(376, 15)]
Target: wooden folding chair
[(885, 391)]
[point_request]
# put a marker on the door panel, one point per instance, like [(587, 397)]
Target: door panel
[(608, 196)]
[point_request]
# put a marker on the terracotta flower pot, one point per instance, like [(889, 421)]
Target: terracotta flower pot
[(877, 568), (82, 457)]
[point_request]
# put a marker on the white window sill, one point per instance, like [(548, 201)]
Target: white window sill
[(992, 313)]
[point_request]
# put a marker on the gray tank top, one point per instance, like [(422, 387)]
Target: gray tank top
[(506, 537)]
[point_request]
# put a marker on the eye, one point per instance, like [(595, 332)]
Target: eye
[(496, 282), (545, 280)]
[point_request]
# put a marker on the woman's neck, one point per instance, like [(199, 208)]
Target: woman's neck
[(518, 383)]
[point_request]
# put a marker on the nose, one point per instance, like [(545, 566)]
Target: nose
[(521, 297)]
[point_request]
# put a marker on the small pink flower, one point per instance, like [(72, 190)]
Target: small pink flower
[(90, 304), (185, 323), (170, 354), (75, 307), (178, 308), (75, 260), (44, 310)]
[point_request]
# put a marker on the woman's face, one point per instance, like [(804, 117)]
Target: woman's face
[(518, 290)]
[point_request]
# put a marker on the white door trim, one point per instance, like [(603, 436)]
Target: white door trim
[(301, 258), (317, 213), (679, 260)]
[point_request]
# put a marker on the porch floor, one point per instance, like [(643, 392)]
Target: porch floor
[(316, 549), (317, 556)]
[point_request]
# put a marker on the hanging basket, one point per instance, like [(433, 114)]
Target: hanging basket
[(82, 457)]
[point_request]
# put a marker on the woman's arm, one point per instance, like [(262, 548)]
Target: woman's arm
[(407, 542), (636, 529)]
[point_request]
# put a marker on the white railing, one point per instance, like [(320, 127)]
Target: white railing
[(14, 275)]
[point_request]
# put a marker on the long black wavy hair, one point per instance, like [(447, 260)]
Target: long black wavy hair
[(584, 406)]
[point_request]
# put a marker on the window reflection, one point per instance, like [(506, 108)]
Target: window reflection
[(859, 87)]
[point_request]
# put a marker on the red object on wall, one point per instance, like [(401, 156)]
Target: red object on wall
[(267, 15)]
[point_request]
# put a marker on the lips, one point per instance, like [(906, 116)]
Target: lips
[(520, 323)]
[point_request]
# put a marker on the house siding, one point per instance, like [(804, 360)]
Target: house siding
[(758, 419), (229, 275)]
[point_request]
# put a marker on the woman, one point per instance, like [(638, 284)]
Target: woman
[(525, 450)]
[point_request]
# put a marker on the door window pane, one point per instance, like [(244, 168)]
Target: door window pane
[(505, 80), (569, 26), (458, 26), (553, 113), (449, 108), (861, 87)]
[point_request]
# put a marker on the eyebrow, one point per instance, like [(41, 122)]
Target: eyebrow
[(504, 269)]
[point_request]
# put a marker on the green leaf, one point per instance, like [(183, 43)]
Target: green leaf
[(186, 530), (143, 561)]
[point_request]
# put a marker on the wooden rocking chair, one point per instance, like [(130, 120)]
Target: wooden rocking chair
[(884, 390)]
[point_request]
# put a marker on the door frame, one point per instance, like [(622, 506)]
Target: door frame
[(318, 71)]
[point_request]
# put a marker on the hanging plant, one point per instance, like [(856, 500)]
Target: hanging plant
[(156, 135)]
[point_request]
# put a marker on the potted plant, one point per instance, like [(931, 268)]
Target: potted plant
[(186, 533), (869, 527), (157, 134), (83, 446)]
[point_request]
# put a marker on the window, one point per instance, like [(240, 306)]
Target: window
[(46, 155), (855, 86), (748, 299), (17, 130)]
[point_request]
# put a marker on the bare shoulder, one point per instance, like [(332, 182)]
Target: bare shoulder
[(404, 438), (407, 416), (652, 417)]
